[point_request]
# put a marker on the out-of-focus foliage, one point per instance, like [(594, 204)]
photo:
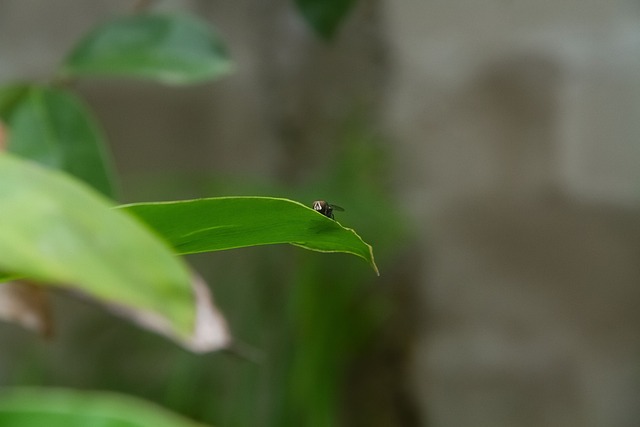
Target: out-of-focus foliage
[(325, 16), (304, 320), (55, 230), (52, 127), (170, 49), (35, 407), (335, 310), (300, 321)]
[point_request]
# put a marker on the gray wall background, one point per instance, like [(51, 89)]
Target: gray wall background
[(514, 126)]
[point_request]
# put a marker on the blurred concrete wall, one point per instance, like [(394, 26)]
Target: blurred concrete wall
[(520, 157), (277, 115), (515, 125)]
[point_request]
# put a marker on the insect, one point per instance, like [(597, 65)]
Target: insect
[(325, 208)]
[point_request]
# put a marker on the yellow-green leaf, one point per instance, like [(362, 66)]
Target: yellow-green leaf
[(42, 407), (56, 230)]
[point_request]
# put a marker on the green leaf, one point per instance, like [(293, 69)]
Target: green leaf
[(325, 16), (171, 49), (39, 407), (7, 277), (54, 128), (215, 224), (56, 230), (10, 96)]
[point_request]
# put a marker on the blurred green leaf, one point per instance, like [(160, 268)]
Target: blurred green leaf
[(55, 230), (171, 49), (6, 277), (39, 407), (214, 224), (11, 95), (325, 16), (54, 128)]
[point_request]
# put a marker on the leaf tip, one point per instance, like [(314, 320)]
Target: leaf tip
[(372, 261)]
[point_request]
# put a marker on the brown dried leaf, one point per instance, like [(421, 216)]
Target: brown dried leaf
[(28, 305), (210, 330)]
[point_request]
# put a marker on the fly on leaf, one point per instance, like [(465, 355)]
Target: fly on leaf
[(325, 208)]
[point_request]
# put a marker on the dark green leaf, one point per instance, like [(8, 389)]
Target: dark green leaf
[(171, 49), (325, 16), (56, 230), (40, 407), (54, 128), (232, 222)]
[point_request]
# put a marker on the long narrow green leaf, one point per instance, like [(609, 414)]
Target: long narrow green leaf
[(171, 49), (40, 407), (54, 128), (56, 230), (232, 222)]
